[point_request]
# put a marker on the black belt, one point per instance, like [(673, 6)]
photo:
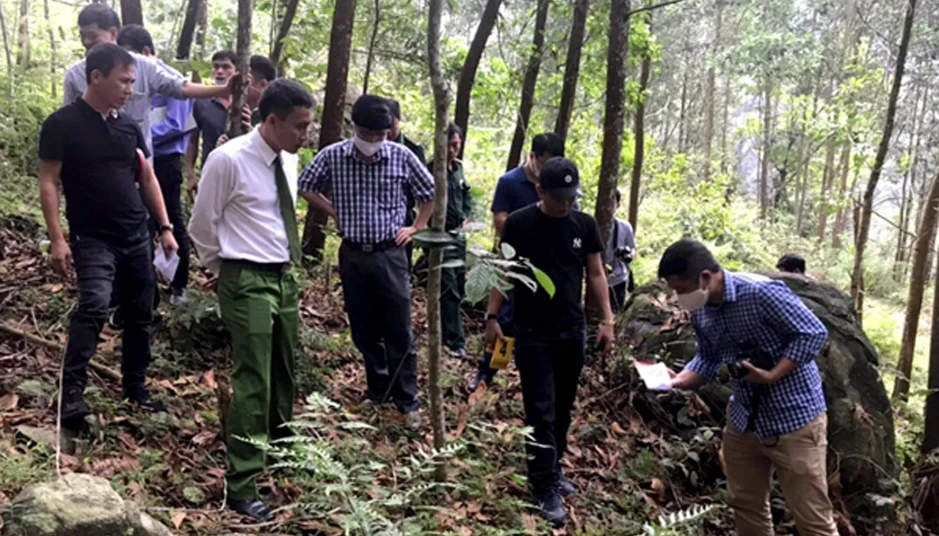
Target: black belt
[(269, 267), (370, 248)]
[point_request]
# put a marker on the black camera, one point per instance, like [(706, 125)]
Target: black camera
[(624, 254), (757, 357)]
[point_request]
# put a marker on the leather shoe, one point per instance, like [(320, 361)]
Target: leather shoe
[(74, 409), (254, 508)]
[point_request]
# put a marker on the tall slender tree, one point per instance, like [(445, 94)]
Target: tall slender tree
[(184, 47), (867, 205), (640, 136), (334, 101), (131, 12), (571, 68), (615, 115), (53, 48), (286, 22), (6, 49), (464, 88), (711, 90), (931, 433), (376, 21), (23, 45), (528, 86), (441, 110), (243, 50)]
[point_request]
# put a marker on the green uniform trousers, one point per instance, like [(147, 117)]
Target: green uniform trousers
[(259, 308), (452, 283)]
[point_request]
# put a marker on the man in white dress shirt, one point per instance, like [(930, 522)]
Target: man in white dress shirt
[(244, 227)]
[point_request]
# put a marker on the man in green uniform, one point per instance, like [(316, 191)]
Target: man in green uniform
[(459, 209), (244, 226)]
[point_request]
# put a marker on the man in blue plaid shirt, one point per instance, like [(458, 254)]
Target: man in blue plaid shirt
[(777, 414), (368, 181)]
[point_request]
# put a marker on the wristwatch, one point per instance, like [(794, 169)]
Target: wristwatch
[(164, 228), (491, 317)]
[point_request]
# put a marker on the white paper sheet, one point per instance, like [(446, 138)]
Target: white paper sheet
[(165, 266), (654, 375)]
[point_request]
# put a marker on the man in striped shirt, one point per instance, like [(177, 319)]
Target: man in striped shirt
[(777, 417), (369, 180)]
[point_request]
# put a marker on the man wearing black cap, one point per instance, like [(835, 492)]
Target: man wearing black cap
[(370, 180), (549, 330)]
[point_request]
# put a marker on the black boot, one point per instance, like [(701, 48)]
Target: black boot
[(552, 510), (74, 409), (565, 486)]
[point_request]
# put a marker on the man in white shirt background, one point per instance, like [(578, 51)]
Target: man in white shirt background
[(244, 228)]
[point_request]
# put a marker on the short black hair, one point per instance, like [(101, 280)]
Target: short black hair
[(395, 108), (99, 14), (282, 96), (135, 37), (222, 55), (104, 57), (617, 195), (549, 142), (372, 112), (262, 66), (686, 259), (454, 129), (792, 263)]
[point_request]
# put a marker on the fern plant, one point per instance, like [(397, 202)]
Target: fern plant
[(680, 523)]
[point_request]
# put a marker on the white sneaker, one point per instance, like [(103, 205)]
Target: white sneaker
[(179, 297)]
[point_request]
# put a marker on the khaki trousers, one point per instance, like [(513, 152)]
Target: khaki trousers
[(799, 461)]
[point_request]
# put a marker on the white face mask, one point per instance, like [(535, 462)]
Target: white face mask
[(694, 300), (221, 81), (368, 148), (535, 166)]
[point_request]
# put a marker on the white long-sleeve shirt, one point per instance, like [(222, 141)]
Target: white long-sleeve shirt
[(237, 214)]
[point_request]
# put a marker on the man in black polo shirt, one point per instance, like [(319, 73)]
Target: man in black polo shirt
[(109, 243), (549, 330), (211, 115)]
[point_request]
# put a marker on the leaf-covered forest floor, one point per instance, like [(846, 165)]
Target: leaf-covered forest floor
[(633, 455)]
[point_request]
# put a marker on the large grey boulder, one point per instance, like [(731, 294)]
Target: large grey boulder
[(78, 504), (860, 430)]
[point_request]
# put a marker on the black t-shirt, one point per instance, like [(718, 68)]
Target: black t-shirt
[(99, 169), (212, 118), (559, 247)]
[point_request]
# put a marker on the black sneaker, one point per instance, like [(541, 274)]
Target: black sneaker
[(74, 409), (565, 486), (256, 509), (482, 376), (142, 398), (552, 510), (116, 319)]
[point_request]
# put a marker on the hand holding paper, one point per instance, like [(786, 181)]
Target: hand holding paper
[(654, 375), (164, 264)]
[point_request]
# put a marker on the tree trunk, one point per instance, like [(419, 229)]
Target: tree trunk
[(290, 11), (683, 112), (766, 150), (22, 48), (709, 104), (828, 177), (243, 50), (614, 116), (931, 433), (184, 47), (640, 138), (6, 49), (203, 27), (371, 46), (841, 219), (925, 236), (441, 118), (131, 12), (868, 202), (571, 69), (725, 123), (464, 88), (54, 50), (337, 75), (528, 86), (909, 185)]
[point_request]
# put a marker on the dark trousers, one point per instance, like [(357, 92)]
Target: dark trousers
[(618, 297), (549, 367), (452, 283), (377, 294), (169, 173), (102, 266)]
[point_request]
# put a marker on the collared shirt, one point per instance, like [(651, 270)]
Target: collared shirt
[(620, 236), (237, 213), (759, 311), (459, 197), (100, 168), (212, 118), (369, 197), (514, 191), (152, 79), (171, 121)]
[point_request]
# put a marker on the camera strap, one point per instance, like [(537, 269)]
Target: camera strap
[(757, 391)]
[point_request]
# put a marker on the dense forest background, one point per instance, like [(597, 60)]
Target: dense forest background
[(753, 125)]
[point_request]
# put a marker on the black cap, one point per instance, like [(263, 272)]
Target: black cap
[(372, 112), (560, 179)]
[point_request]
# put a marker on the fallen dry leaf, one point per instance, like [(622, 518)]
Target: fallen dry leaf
[(178, 519), (209, 379), (9, 401), (617, 429)]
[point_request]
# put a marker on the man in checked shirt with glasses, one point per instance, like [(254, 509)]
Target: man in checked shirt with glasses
[(370, 180), (777, 418)]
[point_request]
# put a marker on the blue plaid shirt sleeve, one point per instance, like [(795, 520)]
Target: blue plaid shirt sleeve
[(786, 313), (705, 363), (315, 176), (421, 182)]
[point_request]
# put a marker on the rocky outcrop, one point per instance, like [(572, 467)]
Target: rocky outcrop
[(860, 430), (77, 504)]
